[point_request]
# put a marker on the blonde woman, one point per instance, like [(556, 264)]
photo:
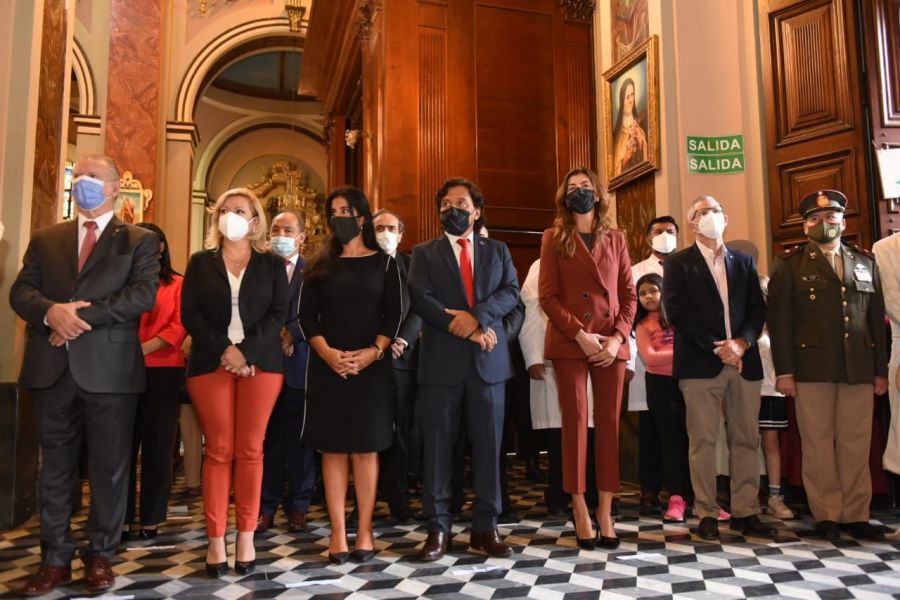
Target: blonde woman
[(234, 303)]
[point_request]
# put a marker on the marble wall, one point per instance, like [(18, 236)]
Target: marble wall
[(50, 113), (132, 110)]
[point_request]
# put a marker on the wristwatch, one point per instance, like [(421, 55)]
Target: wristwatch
[(379, 353)]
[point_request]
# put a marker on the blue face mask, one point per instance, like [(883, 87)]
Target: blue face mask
[(283, 246), (88, 192)]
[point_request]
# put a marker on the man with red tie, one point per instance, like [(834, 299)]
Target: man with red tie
[(81, 290), (463, 284)]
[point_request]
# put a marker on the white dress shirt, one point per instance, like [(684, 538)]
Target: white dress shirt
[(457, 249), (716, 263), (102, 221)]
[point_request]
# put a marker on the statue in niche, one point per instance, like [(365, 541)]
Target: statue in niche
[(284, 186)]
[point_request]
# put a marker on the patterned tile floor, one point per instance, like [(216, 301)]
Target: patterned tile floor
[(654, 560)]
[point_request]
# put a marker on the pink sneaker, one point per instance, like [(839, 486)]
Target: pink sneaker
[(724, 515), (675, 510)]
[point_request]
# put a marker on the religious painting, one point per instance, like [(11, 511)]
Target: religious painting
[(631, 116), (133, 199), (630, 26)]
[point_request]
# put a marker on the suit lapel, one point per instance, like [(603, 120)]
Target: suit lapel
[(110, 233), (703, 268), (587, 260), (70, 247), (481, 256), (449, 257)]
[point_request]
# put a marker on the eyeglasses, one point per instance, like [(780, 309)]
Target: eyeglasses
[(702, 212)]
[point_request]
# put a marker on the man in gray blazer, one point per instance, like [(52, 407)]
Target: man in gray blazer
[(82, 289)]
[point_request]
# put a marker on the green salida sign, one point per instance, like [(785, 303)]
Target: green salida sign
[(723, 154)]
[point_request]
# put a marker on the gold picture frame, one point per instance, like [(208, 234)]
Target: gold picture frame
[(631, 139), (133, 199)]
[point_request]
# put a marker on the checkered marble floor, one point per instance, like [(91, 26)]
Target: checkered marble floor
[(654, 560)]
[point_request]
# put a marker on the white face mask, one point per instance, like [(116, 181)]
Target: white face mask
[(388, 241), (664, 243), (233, 226), (712, 225)]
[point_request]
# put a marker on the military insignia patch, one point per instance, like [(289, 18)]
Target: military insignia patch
[(822, 200)]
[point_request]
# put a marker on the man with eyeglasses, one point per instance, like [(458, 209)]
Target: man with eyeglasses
[(713, 299), (826, 322)]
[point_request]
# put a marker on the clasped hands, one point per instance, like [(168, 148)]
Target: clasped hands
[(349, 362), (601, 350), (64, 322), (731, 352), (234, 362), (466, 326)]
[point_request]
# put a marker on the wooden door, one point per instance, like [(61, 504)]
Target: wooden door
[(815, 124), (881, 37)]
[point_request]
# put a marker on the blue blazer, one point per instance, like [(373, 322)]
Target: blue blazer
[(436, 284), (295, 365), (695, 310)]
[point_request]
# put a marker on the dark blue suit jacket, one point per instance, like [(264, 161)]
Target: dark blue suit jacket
[(695, 310), (295, 365), (436, 284)]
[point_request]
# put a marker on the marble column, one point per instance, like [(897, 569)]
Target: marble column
[(174, 214), (51, 109), (132, 109)]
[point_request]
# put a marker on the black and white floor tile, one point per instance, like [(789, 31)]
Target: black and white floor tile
[(654, 560)]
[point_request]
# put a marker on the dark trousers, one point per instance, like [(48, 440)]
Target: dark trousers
[(399, 457), (65, 415), (286, 457), (554, 495), (650, 467), (155, 423), (441, 408), (668, 414)]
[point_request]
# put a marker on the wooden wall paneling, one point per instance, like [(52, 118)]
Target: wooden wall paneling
[(462, 124), (815, 135), (432, 111), (517, 114), (371, 144), (635, 207), (881, 26)]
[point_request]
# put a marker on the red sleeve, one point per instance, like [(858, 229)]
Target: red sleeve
[(549, 288), (627, 294), (654, 359), (173, 331)]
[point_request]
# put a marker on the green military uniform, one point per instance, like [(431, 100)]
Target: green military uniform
[(822, 328), (826, 324)]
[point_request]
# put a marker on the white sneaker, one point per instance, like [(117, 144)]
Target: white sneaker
[(778, 509)]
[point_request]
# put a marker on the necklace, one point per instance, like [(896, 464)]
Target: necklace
[(239, 264)]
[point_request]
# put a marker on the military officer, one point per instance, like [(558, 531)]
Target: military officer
[(826, 322)]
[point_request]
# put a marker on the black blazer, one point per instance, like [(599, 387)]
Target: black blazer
[(206, 310), (295, 364), (436, 284), (119, 280), (411, 325), (695, 310)]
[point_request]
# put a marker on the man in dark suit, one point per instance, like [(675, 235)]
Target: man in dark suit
[(407, 446), (462, 285), (826, 322), (285, 456), (714, 301), (82, 289)]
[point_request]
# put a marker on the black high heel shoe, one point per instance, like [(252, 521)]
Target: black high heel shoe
[(245, 568), (217, 570), (338, 558), (361, 556)]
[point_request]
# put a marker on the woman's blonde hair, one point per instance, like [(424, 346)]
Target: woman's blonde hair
[(257, 233), (564, 232)]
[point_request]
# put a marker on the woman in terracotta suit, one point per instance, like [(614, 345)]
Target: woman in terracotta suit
[(586, 289)]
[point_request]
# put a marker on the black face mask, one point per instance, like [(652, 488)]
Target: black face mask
[(344, 228), (455, 220), (581, 200)]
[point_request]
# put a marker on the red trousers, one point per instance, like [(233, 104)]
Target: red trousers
[(233, 413), (607, 383)]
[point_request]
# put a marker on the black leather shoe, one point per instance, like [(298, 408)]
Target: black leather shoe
[(752, 525), (245, 568), (338, 558), (828, 530), (490, 543), (436, 546), (147, 534), (649, 504), (217, 570), (708, 528), (361, 556), (586, 543), (863, 530)]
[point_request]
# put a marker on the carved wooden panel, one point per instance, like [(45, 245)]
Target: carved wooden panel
[(516, 112), (635, 207), (811, 75), (888, 39), (580, 124), (432, 125), (834, 171)]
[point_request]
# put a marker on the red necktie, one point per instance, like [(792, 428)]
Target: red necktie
[(87, 245), (465, 270)]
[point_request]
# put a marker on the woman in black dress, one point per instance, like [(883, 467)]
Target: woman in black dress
[(350, 308)]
